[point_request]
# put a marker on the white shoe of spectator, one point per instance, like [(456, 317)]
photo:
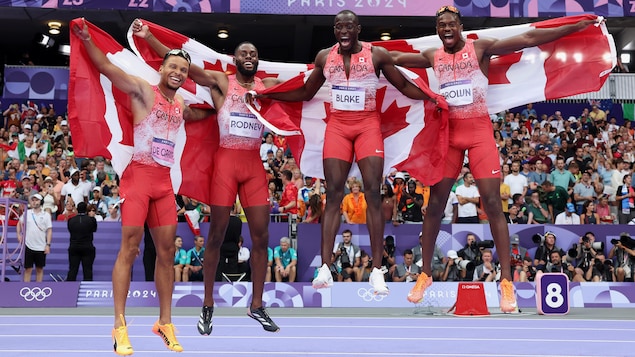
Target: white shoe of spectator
[(324, 279), (378, 283)]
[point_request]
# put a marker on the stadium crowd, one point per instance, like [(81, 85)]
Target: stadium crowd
[(562, 169)]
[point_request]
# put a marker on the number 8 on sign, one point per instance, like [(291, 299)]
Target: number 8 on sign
[(552, 294)]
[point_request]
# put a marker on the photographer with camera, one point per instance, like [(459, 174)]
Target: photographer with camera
[(471, 252), (346, 258), (624, 256), (556, 265), (586, 251), (528, 272), (453, 270), (487, 270), (517, 254), (387, 258), (600, 269), (543, 253), (407, 271), (363, 273)]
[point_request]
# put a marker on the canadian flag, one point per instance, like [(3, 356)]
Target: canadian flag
[(100, 121), (415, 133)]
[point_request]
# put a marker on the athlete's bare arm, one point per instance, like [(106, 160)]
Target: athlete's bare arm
[(270, 82), (531, 38), (384, 62), (216, 81), (310, 87), (139, 90), (422, 59)]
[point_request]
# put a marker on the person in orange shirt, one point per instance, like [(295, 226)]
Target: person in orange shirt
[(354, 204)]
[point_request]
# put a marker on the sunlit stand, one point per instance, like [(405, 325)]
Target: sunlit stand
[(12, 249)]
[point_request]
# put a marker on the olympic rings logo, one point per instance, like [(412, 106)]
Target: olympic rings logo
[(36, 293), (368, 295)]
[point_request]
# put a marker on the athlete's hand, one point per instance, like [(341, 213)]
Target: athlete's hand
[(139, 29), (82, 32), (440, 101)]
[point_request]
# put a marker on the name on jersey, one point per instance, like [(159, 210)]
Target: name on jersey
[(348, 98), (245, 125), (457, 92)]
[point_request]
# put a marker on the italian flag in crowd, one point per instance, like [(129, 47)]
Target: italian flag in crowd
[(629, 111)]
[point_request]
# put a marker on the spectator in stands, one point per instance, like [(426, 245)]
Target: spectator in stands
[(556, 198), (625, 198), (81, 249), (194, 266), (266, 146), (75, 189), (451, 211), (286, 260), (538, 175), (515, 216), (26, 191), (99, 202), (468, 197), (50, 202), (113, 213), (583, 191), (69, 210), (528, 272), (568, 216), (561, 177), (354, 204), (346, 257), (517, 183), (604, 211), (92, 212), (538, 212), (180, 258), (410, 204), (407, 271), (288, 200), (485, 271), (314, 209), (588, 215), (243, 258), (37, 238)]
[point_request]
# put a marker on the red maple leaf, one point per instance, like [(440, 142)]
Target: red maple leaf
[(393, 119), (499, 66)]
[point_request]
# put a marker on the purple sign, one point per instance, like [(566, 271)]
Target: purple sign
[(552, 294), (36, 83), (19, 294), (143, 294), (99, 293)]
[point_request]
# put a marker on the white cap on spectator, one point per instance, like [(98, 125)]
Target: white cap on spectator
[(48, 178), (400, 175), (97, 188), (63, 122), (452, 254), (72, 171), (27, 126), (572, 118), (38, 196)]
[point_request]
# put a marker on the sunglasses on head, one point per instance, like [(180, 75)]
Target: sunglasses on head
[(179, 53), (448, 8)]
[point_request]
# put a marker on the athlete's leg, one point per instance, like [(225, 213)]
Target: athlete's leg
[(130, 239), (432, 222), (220, 219), (335, 173), (372, 168), (163, 238), (489, 189), (258, 221)]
